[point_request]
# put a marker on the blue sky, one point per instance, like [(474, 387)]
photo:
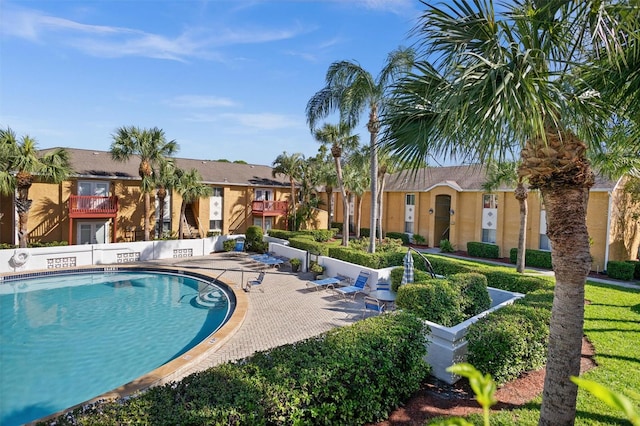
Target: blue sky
[(225, 79)]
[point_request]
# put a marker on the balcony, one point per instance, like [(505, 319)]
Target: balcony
[(88, 206), (269, 208)]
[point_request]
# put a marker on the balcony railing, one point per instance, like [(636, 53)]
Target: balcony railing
[(90, 205), (269, 208)]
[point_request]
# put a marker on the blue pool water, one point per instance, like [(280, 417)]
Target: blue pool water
[(65, 339)]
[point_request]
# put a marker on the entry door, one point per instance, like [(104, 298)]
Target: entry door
[(93, 232), (264, 195), (442, 219)]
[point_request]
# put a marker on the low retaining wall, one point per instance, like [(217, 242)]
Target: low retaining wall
[(447, 345), (32, 259)]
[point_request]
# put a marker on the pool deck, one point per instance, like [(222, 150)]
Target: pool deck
[(281, 310)]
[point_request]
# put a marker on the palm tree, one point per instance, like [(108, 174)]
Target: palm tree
[(351, 90), (165, 180), (357, 180), (507, 173), (191, 188), (340, 138), (512, 77), (22, 164), (151, 146), (327, 177), (291, 167)]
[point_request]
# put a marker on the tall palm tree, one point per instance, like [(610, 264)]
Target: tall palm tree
[(351, 90), (357, 180), (328, 178), (512, 77), (507, 173), (151, 146), (340, 138), (165, 180), (291, 167), (191, 188), (21, 165)]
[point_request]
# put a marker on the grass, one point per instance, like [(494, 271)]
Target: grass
[(612, 324)]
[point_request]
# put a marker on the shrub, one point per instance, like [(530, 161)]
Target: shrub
[(636, 265), (473, 288), (337, 225), (366, 232), (295, 264), (253, 238), (446, 246), (509, 280), (397, 273), (509, 341), (435, 300), (322, 235), (228, 245), (486, 250), (419, 239), (280, 233), (308, 244), (534, 258), (399, 236), (340, 377), (620, 270)]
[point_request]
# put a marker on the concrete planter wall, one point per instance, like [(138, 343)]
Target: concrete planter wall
[(447, 345)]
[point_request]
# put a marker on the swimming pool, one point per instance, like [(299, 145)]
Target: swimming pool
[(67, 338)]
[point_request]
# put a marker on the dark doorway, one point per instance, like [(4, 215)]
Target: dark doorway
[(443, 219)]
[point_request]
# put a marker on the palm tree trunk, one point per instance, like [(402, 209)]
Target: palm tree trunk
[(23, 206), (359, 217), (147, 210), (521, 196), (345, 202), (373, 126), (380, 203), (293, 204), (183, 209), (329, 191), (567, 230)]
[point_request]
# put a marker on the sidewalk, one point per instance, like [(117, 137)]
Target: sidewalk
[(285, 311)]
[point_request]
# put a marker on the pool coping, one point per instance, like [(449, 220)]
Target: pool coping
[(174, 369)]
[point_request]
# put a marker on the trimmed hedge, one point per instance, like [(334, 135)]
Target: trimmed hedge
[(434, 300), (340, 377), (636, 265), (376, 260), (475, 296), (486, 250), (397, 273), (398, 236), (306, 242), (282, 234), (620, 270), (534, 258), (509, 341)]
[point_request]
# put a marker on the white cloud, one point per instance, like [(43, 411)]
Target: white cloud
[(114, 41), (263, 121), (200, 101)]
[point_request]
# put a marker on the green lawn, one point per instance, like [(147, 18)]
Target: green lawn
[(612, 324)]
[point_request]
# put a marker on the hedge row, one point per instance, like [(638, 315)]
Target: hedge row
[(446, 301), (309, 244), (376, 260), (534, 258), (398, 236), (636, 265), (486, 250), (621, 270), (509, 341), (341, 377)]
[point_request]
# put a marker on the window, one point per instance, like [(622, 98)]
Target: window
[(545, 244), (409, 212), (216, 210), (489, 218), (490, 201), (489, 236)]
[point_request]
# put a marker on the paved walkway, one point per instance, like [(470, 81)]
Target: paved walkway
[(285, 311)]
